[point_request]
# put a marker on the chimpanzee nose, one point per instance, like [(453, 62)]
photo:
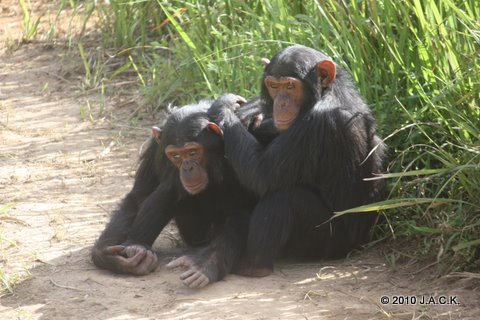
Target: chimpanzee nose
[(188, 165)]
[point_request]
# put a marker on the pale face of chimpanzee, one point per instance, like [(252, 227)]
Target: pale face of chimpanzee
[(190, 159), (288, 93)]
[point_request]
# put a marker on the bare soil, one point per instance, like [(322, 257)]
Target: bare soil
[(67, 156)]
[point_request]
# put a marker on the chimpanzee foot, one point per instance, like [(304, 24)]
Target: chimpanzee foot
[(196, 276)]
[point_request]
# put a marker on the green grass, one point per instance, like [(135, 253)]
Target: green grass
[(416, 63), (30, 26)]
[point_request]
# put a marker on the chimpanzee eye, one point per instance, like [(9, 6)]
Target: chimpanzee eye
[(273, 85), (290, 85), (192, 153), (175, 156)]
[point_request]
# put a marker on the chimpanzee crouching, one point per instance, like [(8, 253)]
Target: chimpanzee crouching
[(183, 175), (314, 167)]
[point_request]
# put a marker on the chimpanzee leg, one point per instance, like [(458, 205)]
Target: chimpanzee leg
[(295, 216), (216, 260)]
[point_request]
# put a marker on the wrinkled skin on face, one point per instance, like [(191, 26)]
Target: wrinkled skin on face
[(288, 98), (190, 160), (288, 93)]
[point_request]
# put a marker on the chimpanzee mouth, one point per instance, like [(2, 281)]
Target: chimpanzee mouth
[(195, 187), (282, 123)]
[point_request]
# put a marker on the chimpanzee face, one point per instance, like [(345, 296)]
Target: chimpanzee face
[(288, 93), (189, 158), (288, 97)]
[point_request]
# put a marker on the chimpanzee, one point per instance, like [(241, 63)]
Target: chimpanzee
[(326, 145), (183, 175)]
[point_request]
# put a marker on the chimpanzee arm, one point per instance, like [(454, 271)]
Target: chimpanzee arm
[(155, 213), (251, 115), (242, 149), (145, 183), (109, 251), (128, 248), (324, 150), (340, 139), (119, 225)]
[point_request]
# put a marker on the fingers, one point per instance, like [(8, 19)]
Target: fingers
[(194, 279), (152, 261), (200, 282), (113, 249), (183, 261), (257, 121), (231, 101), (241, 100), (138, 260), (134, 256), (147, 264), (134, 250), (133, 259), (237, 101)]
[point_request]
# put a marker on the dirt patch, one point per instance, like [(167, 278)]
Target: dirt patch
[(67, 157)]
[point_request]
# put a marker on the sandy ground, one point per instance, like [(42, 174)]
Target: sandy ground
[(63, 169)]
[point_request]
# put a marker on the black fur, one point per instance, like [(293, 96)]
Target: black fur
[(311, 170), (217, 217)]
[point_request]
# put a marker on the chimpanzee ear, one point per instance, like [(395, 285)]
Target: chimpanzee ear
[(327, 71), (157, 134), (215, 129), (265, 62)]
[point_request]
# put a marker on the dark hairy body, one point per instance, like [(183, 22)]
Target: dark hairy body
[(326, 146), (183, 175)]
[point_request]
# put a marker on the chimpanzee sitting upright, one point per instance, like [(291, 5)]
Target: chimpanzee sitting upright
[(183, 175), (313, 168)]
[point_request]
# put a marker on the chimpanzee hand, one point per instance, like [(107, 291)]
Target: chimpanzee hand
[(134, 259), (230, 101), (222, 109), (198, 275)]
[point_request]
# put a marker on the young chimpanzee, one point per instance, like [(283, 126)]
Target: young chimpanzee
[(183, 175), (315, 166)]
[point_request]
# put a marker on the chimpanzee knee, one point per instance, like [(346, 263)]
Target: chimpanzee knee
[(295, 218)]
